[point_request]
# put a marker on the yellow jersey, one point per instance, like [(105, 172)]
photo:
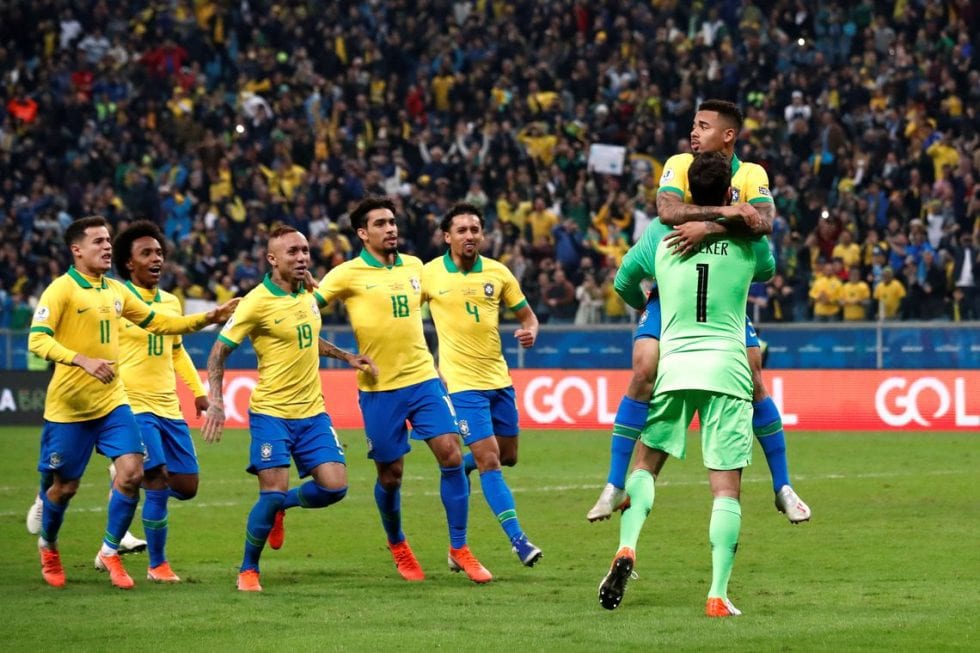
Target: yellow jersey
[(890, 295), (466, 310), (750, 183), (285, 332), (149, 363), (384, 306), (825, 293), (855, 291), (81, 314)]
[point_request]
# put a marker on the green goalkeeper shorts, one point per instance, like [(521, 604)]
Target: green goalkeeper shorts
[(726, 426)]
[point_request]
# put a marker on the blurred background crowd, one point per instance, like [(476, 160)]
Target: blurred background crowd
[(217, 120)]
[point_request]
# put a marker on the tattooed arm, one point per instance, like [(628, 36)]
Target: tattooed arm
[(214, 419)]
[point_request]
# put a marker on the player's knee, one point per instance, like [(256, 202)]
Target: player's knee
[(508, 459), (130, 478), (63, 492), (321, 497), (184, 490)]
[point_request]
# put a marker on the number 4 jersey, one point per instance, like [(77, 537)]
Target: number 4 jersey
[(702, 304), (466, 309), (384, 306)]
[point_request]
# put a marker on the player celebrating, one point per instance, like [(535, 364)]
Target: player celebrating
[(382, 292), (86, 404), (703, 370), (716, 126), (286, 415), (465, 291), (147, 366)]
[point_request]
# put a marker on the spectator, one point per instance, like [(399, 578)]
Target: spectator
[(855, 297), (560, 297), (590, 300), (889, 295), (825, 294)]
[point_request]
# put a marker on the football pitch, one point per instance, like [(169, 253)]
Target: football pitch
[(891, 560)]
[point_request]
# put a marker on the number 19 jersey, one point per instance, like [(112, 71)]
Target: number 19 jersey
[(384, 306), (702, 300), (285, 331)]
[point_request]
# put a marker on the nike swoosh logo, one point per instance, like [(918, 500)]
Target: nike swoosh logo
[(369, 286), (130, 325), (443, 292), (279, 320), (82, 310)]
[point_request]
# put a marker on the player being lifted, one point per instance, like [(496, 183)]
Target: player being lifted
[(717, 124), (382, 292), (86, 406), (286, 416), (465, 292), (703, 370)]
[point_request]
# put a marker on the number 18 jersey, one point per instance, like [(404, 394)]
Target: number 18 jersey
[(702, 300)]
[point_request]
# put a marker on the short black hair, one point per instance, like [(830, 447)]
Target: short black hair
[(709, 177), (76, 230), (358, 217), (122, 246), (462, 208), (726, 109), (280, 230)]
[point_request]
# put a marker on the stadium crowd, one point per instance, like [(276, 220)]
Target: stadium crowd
[(218, 120)]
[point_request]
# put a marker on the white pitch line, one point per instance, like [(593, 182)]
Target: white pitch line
[(521, 490)]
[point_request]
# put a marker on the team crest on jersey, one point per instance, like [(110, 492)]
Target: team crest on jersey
[(41, 314), (416, 286), (666, 176), (265, 451), (118, 306), (464, 428), (734, 195), (315, 308), (227, 326), (643, 318), (54, 460), (488, 289), (764, 191), (146, 454)]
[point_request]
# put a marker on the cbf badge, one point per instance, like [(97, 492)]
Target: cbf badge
[(265, 451), (314, 307), (464, 428), (118, 307), (488, 289), (54, 460), (416, 286)]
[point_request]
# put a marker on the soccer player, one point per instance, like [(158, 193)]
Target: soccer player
[(465, 292), (716, 126), (382, 292), (148, 366), (286, 415), (703, 369), (86, 405)]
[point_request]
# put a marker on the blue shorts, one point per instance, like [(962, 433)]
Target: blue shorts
[(168, 442), (485, 413), (66, 447), (310, 441), (426, 405), (648, 325)]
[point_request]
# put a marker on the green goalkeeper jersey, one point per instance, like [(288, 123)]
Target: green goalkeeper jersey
[(702, 304), (638, 265)]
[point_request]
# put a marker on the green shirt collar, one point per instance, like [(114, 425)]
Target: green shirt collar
[(736, 164), (375, 263), (447, 259), (80, 279), (138, 292), (276, 291)]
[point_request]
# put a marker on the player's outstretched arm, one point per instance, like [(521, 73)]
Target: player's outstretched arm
[(528, 332), (214, 417), (223, 312), (357, 361)]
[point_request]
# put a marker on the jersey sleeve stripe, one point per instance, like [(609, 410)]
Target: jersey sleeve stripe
[(521, 304), (760, 200), (670, 189), (320, 301), (228, 341), (42, 329), (149, 318)]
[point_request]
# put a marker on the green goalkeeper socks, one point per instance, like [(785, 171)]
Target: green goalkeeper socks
[(723, 530), (640, 488)]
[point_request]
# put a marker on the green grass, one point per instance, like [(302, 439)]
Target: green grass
[(890, 561)]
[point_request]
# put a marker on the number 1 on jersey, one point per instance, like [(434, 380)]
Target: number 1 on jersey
[(701, 308)]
